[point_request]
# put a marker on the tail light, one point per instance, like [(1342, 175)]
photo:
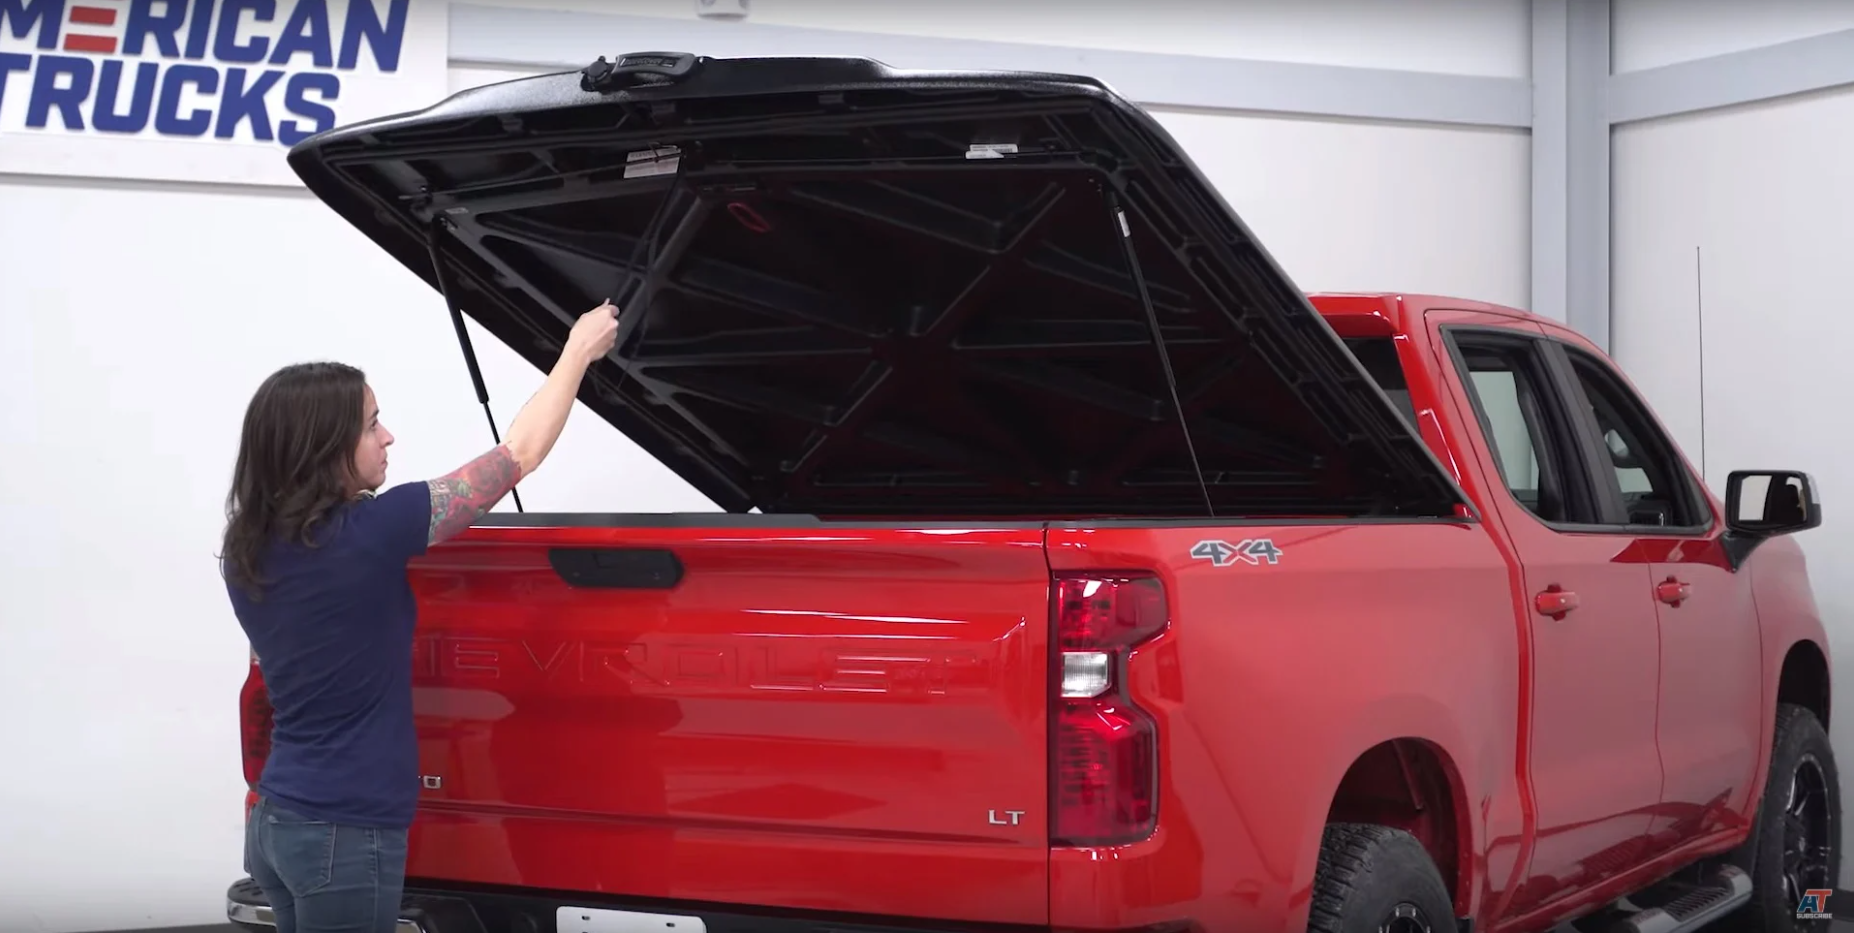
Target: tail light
[(254, 721), (1105, 763)]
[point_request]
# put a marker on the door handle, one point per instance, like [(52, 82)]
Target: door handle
[(1672, 592), (1555, 601)]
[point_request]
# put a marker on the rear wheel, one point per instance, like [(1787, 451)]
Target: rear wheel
[(1374, 879), (1795, 846)]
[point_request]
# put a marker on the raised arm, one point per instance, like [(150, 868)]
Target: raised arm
[(462, 496)]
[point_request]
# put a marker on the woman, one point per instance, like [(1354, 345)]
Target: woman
[(315, 565)]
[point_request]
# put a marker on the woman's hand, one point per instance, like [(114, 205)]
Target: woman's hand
[(594, 333)]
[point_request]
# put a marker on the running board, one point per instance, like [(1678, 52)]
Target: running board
[(1729, 889)]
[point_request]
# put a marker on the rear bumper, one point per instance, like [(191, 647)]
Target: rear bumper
[(258, 918), (246, 907), (425, 910)]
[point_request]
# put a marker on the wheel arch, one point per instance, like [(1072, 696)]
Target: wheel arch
[(1804, 679), (1413, 784)]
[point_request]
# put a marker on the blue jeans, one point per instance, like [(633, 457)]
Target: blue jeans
[(323, 877)]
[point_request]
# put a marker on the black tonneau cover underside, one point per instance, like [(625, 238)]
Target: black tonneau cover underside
[(855, 291)]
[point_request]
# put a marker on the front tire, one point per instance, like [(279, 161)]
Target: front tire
[(1795, 844), (1374, 879)]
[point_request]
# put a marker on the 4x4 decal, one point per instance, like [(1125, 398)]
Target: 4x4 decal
[(1252, 551)]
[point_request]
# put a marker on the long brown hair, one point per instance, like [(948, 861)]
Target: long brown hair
[(295, 463)]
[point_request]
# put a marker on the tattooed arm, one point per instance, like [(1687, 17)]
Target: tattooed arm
[(462, 496)]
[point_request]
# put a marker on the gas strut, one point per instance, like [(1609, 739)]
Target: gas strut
[(1119, 219), (634, 285), (463, 339)]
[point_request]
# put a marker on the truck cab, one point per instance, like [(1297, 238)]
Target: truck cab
[(1655, 655)]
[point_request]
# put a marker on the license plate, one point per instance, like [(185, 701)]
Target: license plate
[(591, 920)]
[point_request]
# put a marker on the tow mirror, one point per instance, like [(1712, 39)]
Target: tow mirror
[(1761, 504)]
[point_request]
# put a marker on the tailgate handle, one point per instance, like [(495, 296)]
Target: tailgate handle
[(617, 568)]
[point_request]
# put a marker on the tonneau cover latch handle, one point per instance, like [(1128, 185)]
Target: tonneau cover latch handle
[(666, 67)]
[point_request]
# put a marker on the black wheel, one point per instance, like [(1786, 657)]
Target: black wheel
[(1374, 879), (1795, 844)]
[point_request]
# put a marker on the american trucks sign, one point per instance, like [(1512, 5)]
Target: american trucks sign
[(203, 90)]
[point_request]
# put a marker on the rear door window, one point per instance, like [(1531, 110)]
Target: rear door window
[(1521, 416)]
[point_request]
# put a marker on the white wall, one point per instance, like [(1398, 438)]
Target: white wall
[(138, 318), (1354, 206), (1766, 195), (1464, 37), (1651, 33)]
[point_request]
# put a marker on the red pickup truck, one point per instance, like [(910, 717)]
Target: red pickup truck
[(1075, 570)]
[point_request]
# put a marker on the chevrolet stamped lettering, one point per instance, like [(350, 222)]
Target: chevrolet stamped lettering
[(743, 665)]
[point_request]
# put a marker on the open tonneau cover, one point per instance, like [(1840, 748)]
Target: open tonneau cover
[(852, 290)]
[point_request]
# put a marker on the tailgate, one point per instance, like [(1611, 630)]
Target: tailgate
[(810, 718)]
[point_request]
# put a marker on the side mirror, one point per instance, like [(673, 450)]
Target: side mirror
[(1761, 504)]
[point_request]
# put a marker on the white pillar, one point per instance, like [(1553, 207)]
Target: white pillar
[(1570, 164)]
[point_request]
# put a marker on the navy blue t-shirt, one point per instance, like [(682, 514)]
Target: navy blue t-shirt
[(333, 636)]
